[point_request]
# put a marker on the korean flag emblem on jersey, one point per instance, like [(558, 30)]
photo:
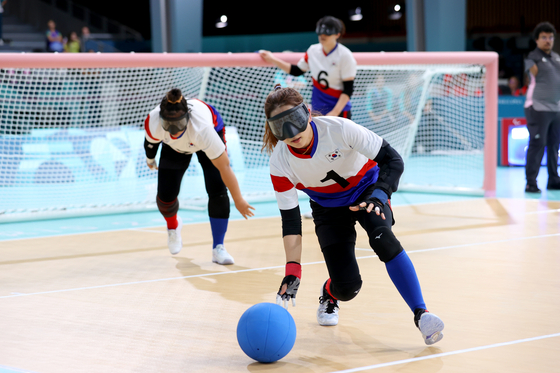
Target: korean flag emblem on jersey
[(334, 155)]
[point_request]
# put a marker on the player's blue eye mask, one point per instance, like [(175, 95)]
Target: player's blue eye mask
[(289, 123)]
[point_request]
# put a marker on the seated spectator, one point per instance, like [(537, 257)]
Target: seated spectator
[(513, 84), (512, 87), (72, 44), (523, 90), (54, 38)]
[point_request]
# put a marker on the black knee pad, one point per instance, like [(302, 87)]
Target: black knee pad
[(347, 290), (218, 206), (385, 244), (168, 209)]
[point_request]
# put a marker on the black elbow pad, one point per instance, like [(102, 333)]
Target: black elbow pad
[(291, 221), (391, 167), (150, 148), (296, 71), (348, 87)]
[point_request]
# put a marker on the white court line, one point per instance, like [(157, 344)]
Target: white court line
[(542, 212), (471, 244), (398, 362), (262, 268), (148, 228), (121, 229)]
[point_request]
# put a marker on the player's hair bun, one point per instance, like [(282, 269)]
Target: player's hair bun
[(174, 95), (277, 86)]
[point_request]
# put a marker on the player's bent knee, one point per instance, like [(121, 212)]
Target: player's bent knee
[(385, 244), (168, 209), (218, 206), (346, 291)]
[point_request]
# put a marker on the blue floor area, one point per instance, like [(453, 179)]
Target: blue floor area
[(510, 184)]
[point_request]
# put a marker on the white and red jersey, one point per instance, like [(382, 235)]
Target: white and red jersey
[(201, 134), (338, 170), (328, 72)]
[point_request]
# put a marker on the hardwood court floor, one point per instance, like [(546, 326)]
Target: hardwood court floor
[(119, 302)]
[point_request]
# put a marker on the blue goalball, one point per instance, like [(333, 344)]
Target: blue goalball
[(266, 332)]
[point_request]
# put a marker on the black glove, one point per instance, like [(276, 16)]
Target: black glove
[(292, 280), (378, 198), (376, 204)]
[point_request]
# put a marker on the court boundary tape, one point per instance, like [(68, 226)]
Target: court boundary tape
[(443, 354)]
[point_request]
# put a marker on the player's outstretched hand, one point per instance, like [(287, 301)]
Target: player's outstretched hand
[(152, 165), (288, 290), (244, 208), (370, 204), (266, 55), (290, 285)]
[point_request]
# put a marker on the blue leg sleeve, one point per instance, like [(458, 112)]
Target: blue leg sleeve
[(402, 273), (219, 229)]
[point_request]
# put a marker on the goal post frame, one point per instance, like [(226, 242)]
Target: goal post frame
[(233, 60), (131, 60)]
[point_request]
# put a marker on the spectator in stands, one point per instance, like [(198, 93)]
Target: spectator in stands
[(2, 4), (542, 108), (84, 38), (511, 87), (72, 44), (522, 91), (54, 38), (513, 84)]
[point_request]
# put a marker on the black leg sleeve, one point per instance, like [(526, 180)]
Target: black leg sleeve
[(218, 200), (172, 167)]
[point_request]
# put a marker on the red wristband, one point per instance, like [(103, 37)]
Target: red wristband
[(294, 269)]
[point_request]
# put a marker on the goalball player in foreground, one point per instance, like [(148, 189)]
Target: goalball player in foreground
[(349, 172), (187, 127)]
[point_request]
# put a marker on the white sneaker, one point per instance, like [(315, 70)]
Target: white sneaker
[(174, 241), (308, 215), (327, 313), (430, 326), (221, 256)]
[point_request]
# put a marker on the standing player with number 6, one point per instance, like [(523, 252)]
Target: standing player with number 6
[(332, 66), (349, 172), (187, 128)]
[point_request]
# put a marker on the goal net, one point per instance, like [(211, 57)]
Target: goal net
[(71, 127)]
